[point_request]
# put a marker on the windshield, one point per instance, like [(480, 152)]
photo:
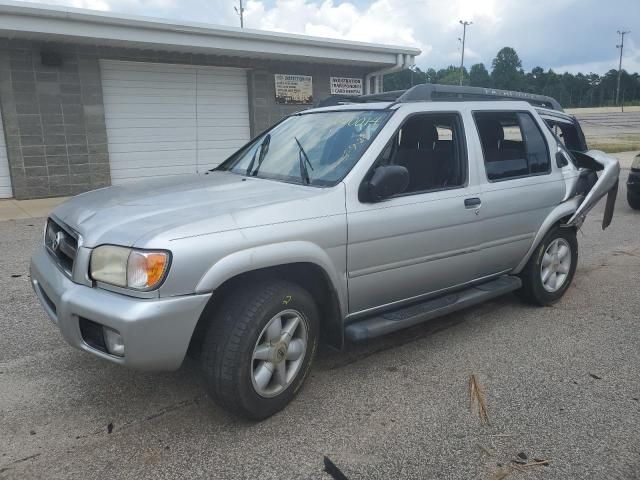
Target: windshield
[(315, 149)]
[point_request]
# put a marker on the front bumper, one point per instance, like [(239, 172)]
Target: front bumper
[(156, 331)]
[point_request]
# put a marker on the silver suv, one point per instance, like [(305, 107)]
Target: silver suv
[(343, 222)]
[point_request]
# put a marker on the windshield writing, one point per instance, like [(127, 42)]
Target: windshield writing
[(315, 149)]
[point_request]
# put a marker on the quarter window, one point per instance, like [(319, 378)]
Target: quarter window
[(512, 144), (568, 134)]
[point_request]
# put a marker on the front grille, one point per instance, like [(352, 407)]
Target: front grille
[(62, 245)]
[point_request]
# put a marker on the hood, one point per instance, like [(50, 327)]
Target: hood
[(213, 202)]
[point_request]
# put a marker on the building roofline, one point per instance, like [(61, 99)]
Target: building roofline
[(21, 19)]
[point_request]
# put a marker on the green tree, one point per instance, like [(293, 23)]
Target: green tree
[(479, 76), (451, 76), (432, 75), (571, 90), (534, 81), (404, 79), (506, 70)]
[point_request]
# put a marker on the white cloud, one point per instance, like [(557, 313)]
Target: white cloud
[(380, 22), (572, 34)]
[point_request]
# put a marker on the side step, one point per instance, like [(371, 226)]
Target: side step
[(412, 315)]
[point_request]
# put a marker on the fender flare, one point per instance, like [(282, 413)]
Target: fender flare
[(563, 210), (273, 255)]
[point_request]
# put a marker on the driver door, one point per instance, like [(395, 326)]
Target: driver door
[(423, 241)]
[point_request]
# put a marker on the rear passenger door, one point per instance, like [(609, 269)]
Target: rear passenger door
[(520, 186)]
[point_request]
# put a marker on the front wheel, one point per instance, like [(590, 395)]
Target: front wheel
[(550, 270), (259, 347), (633, 199)]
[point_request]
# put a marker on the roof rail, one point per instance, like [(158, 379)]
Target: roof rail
[(333, 100), (430, 92)]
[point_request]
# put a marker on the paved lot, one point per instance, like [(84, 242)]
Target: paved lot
[(561, 383)]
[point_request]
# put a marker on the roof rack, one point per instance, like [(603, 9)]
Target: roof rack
[(430, 92)]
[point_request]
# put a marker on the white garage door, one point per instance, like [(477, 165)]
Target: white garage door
[(172, 119), (5, 180)]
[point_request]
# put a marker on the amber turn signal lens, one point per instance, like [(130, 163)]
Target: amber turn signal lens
[(146, 269), (156, 263)]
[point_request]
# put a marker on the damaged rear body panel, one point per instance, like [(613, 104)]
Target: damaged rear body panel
[(607, 184), (589, 174)]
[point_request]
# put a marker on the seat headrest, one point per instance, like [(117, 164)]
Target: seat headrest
[(491, 132), (418, 136)]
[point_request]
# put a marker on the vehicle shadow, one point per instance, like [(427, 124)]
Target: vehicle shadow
[(331, 359)]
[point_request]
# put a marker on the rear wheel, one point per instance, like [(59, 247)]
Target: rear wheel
[(259, 347), (633, 200), (550, 269)]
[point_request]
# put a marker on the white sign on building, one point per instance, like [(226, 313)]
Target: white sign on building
[(294, 89), (346, 86)]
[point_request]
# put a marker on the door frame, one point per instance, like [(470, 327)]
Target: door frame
[(472, 186)]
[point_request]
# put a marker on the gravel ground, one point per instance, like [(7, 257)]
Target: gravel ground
[(561, 383)]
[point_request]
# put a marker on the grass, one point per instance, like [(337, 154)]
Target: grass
[(623, 143), (615, 147)]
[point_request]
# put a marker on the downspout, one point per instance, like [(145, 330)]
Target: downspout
[(402, 61)]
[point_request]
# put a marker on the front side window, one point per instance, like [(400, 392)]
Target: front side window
[(314, 149), (431, 148), (512, 144)]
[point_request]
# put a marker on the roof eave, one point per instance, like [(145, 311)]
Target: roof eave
[(72, 24)]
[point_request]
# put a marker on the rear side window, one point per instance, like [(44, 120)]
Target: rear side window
[(512, 144), (569, 134)]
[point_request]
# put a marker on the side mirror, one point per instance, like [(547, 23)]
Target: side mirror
[(387, 181)]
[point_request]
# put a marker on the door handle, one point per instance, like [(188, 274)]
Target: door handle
[(473, 202)]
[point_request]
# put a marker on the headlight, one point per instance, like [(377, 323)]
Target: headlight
[(636, 163), (128, 267)]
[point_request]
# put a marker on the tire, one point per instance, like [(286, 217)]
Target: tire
[(633, 200), (533, 289), (238, 333)]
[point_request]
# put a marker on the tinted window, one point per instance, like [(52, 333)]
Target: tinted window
[(430, 147), (512, 144)]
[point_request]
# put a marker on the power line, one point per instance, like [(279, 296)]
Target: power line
[(621, 47), (464, 24)]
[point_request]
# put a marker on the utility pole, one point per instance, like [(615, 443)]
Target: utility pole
[(621, 47), (464, 24), (240, 13)]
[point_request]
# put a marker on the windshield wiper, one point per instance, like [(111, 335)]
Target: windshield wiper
[(264, 148), (304, 160)]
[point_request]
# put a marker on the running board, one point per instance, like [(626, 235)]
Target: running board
[(409, 316)]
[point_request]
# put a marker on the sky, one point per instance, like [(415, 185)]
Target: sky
[(566, 35)]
